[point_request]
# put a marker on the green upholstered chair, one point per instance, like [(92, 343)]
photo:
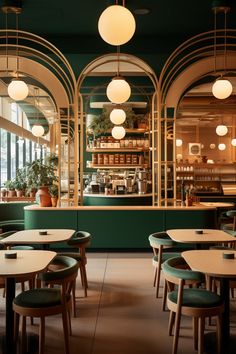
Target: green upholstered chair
[(230, 225), (163, 248), (80, 241), (9, 225), (192, 301), (48, 300)]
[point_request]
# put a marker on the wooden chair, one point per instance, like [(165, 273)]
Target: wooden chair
[(81, 240), (160, 242), (191, 301), (48, 301)]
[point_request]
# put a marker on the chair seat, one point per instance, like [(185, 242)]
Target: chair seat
[(196, 298), (164, 240), (165, 256), (39, 298), (22, 247)]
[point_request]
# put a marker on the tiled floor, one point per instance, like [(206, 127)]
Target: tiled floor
[(120, 315)]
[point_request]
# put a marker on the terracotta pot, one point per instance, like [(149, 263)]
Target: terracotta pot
[(19, 193), (11, 193), (43, 197), (54, 201)]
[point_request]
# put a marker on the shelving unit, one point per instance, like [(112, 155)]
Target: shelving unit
[(133, 151)]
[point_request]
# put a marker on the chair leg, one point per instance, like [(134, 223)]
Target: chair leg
[(158, 280), (42, 335), (195, 332), (171, 323), (65, 330), (74, 299), (84, 278), (164, 296), (155, 277), (16, 326), (201, 326), (176, 332), (23, 335)]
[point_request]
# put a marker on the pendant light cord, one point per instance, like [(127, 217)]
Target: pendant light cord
[(215, 40), (118, 60), (7, 43), (17, 46), (225, 46)]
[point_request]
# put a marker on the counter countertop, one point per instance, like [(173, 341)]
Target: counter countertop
[(81, 208)]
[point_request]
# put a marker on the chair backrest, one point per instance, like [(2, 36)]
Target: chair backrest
[(80, 239), (64, 274), (160, 240), (177, 271)]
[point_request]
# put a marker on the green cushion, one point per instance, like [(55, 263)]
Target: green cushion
[(22, 247), (67, 266), (231, 213), (196, 298), (166, 255), (38, 298)]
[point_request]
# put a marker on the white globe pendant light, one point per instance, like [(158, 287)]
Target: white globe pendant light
[(116, 25), (17, 89), (212, 146), (117, 116), (222, 89), (233, 142), (118, 132), (221, 147), (118, 90), (37, 130), (221, 130), (178, 142)]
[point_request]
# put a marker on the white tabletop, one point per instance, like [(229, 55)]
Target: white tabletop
[(211, 262), (218, 204), (33, 236), (208, 236), (27, 262)]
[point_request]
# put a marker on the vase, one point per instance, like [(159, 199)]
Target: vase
[(43, 197)]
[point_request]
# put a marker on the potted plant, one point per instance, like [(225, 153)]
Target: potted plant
[(42, 176), (53, 190), (10, 186), (20, 182), (3, 192)]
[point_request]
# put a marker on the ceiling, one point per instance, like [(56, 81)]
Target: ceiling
[(72, 27), (74, 23)]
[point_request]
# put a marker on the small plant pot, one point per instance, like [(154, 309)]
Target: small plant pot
[(54, 201), (43, 197), (11, 193), (19, 193)]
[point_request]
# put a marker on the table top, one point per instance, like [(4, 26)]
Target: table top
[(218, 204), (211, 262), (27, 262), (33, 236), (208, 236)]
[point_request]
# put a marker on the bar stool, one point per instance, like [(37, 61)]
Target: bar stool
[(160, 241)]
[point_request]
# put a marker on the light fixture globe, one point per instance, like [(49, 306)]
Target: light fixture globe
[(221, 147), (178, 142), (37, 130), (233, 142), (221, 130), (118, 132), (117, 116), (212, 146), (222, 89), (17, 89), (116, 25), (118, 90)]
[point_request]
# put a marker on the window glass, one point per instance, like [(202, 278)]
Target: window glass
[(14, 113), (20, 155), (27, 148), (3, 156), (13, 155)]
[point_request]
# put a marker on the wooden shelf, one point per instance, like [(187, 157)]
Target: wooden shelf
[(18, 199), (118, 166), (129, 131), (117, 149)]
